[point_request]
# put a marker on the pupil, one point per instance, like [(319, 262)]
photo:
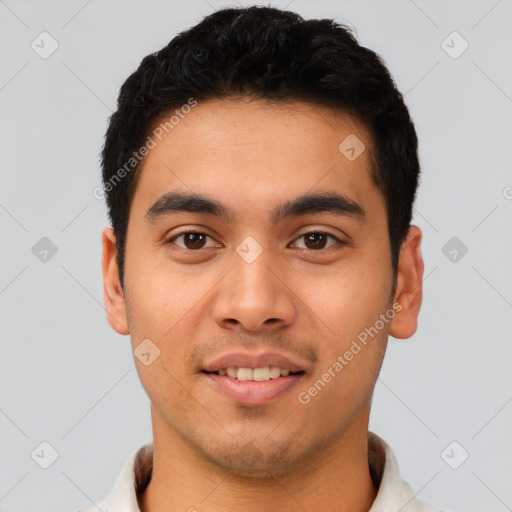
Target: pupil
[(195, 238), (313, 237)]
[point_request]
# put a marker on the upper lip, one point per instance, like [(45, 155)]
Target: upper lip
[(252, 360)]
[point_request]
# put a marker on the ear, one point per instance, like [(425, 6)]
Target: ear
[(113, 295), (409, 286)]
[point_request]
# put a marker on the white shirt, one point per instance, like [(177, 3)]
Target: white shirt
[(393, 494)]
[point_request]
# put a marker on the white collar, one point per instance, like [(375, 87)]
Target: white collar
[(393, 495)]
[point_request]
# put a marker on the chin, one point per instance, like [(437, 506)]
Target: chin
[(262, 459)]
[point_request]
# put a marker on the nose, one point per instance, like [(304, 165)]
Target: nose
[(254, 297)]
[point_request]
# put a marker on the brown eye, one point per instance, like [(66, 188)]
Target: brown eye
[(192, 240), (317, 240)]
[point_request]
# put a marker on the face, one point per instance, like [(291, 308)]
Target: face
[(288, 267)]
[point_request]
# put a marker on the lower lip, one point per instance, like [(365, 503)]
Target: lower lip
[(253, 392)]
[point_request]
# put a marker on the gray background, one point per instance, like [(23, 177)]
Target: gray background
[(69, 380)]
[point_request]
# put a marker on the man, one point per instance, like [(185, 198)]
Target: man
[(260, 173)]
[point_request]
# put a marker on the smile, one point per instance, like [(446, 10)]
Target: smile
[(255, 374), (250, 386)]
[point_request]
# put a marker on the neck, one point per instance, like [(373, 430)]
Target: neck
[(338, 479)]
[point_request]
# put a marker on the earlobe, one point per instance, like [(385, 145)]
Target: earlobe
[(409, 286), (113, 295)]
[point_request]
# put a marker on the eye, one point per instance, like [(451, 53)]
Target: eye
[(316, 240), (196, 240), (192, 240)]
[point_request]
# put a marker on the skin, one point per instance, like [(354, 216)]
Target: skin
[(210, 300)]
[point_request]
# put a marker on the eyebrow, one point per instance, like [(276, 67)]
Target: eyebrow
[(331, 202)]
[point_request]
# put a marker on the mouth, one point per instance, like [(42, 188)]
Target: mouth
[(253, 386), (261, 374), (253, 378)]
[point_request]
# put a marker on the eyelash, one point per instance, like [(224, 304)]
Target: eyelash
[(328, 249)]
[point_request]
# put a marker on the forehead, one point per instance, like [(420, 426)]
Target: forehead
[(253, 154)]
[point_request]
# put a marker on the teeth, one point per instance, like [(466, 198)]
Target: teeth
[(260, 374), (244, 374), (256, 374), (274, 372), (231, 372)]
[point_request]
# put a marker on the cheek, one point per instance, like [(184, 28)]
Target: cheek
[(159, 294), (349, 298), (164, 387), (349, 304)]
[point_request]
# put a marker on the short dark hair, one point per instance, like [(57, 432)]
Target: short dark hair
[(265, 53)]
